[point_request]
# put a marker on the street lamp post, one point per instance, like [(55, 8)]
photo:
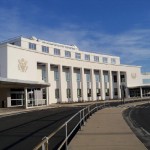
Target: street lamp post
[(122, 87)]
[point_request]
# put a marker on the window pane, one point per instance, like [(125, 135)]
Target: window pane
[(56, 75), (96, 58), (88, 79), (78, 77), (78, 55), (45, 49), (32, 46), (106, 79), (67, 76), (56, 93), (113, 60), (105, 60), (56, 51), (97, 78), (67, 54), (68, 93), (87, 57)]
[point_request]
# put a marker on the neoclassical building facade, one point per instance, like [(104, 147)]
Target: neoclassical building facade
[(36, 72)]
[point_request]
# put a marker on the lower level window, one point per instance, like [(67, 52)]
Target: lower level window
[(115, 91), (68, 93), (78, 93), (98, 91), (107, 92), (57, 93), (88, 92)]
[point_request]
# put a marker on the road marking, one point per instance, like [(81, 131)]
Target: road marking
[(145, 131)]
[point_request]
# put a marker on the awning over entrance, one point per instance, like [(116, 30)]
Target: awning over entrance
[(141, 86), (22, 93), (4, 82)]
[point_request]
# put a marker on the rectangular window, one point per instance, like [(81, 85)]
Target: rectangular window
[(32, 46), (98, 92), (107, 92), (146, 81), (97, 78), (45, 49), (105, 60), (56, 51), (106, 78), (87, 57), (96, 58), (122, 78), (88, 92), (78, 93), (113, 60), (56, 75), (43, 73), (115, 78), (67, 76), (78, 77), (115, 91), (67, 54), (77, 55), (88, 78), (57, 93), (68, 93)]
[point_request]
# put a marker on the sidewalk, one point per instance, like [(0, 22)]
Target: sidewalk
[(106, 130), (18, 110)]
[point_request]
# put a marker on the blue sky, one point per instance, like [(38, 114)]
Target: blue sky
[(117, 27)]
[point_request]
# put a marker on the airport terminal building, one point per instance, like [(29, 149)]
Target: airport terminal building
[(36, 72)]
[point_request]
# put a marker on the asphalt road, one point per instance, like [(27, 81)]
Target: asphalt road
[(24, 131), (138, 119)]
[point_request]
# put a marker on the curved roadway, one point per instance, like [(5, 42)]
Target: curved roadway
[(138, 119)]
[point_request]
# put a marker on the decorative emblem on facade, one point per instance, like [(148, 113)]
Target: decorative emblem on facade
[(22, 65), (133, 75)]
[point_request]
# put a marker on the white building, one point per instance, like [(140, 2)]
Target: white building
[(35, 72)]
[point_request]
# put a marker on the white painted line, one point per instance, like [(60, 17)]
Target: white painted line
[(145, 131)]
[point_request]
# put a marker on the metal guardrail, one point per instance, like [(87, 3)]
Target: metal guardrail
[(83, 114)]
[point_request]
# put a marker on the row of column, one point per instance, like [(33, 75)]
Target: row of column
[(84, 82)]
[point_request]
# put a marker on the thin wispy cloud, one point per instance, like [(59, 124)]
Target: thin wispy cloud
[(132, 46)]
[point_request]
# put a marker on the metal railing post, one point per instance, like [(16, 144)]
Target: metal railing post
[(66, 137), (80, 121), (83, 118), (45, 145)]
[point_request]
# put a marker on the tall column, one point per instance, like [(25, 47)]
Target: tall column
[(141, 92), (26, 98), (110, 85), (48, 80), (93, 85), (102, 85), (83, 83), (72, 80), (61, 88), (118, 84), (47, 96)]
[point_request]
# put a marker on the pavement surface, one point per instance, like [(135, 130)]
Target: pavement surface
[(24, 131), (107, 130), (24, 128)]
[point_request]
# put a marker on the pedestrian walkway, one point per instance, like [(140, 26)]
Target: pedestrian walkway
[(106, 130)]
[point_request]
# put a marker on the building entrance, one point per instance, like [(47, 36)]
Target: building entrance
[(17, 97)]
